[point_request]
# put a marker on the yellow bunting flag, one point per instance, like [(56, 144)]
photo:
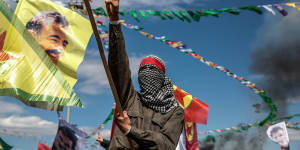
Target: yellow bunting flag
[(293, 5), (41, 47)]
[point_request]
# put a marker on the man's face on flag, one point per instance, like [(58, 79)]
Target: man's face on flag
[(49, 32), (65, 139), (63, 142), (53, 40), (279, 137)]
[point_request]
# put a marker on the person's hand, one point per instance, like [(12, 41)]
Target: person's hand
[(99, 138), (123, 122), (112, 7)]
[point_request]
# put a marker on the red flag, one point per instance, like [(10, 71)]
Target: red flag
[(190, 129), (42, 146), (194, 110)]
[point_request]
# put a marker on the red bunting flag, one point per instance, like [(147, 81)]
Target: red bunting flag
[(42, 146), (195, 110)]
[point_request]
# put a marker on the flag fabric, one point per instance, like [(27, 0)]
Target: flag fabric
[(191, 136), (188, 139), (68, 137), (42, 46), (42, 146), (194, 110), (4, 145)]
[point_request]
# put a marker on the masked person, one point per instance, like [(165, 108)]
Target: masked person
[(152, 118)]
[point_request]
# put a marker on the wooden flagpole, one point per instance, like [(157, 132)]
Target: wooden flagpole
[(101, 51)]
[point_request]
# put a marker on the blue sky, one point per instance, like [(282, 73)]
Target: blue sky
[(228, 41)]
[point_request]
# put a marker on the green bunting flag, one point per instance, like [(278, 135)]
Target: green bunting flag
[(122, 13), (235, 12), (168, 14), (182, 13), (201, 13), (110, 116), (150, 12), (100, 11), (194, 16), (143, 14), (209, 12), (157, 13), (4, 145), (134, 15), (252, 8), (175, 13)]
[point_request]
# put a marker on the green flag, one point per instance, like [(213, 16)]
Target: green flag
[(4, 146), (110, 116)]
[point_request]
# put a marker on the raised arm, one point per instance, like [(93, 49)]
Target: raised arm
[(118, 61)]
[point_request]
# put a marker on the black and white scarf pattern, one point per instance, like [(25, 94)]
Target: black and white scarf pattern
[(156, 90)]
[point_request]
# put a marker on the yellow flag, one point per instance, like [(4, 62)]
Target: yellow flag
[(44, 43)]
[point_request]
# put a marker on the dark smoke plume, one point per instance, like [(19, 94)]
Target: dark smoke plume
[(276, 64), (276, 59), (247, 140)]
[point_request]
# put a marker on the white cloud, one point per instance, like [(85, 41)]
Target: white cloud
[(12, 123), (93, 78), (10, 108), (34, 126), (27, 126)]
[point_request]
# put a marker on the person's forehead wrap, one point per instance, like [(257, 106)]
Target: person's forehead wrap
[(156, 89)]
